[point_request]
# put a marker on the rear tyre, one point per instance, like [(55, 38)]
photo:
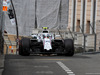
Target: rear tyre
[(69, 47), (25, 50)]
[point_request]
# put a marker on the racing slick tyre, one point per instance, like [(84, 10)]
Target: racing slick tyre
[(25, 48), (69, 47), (20, 47)]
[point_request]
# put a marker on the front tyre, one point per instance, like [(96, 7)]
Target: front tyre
[(25, 51), (69, 47), (20, 47)]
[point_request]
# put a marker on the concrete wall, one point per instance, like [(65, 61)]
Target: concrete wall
[(89, 13), (70, 14), (98, 25), (78, 15), (98, 9), (88, 16)]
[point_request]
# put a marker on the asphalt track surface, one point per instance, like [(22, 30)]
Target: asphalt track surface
[(79, 64)]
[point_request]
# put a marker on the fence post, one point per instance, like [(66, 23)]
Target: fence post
[(95, 36), (84, 43)]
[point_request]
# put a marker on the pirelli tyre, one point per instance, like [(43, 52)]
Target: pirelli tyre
[(25, 47), (20, 47), (69, 47)]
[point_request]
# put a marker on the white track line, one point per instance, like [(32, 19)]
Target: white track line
[(93, 73), (65, 68)]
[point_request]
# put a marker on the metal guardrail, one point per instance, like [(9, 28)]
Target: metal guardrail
[(71, 34), (5, 40), (6, 47)]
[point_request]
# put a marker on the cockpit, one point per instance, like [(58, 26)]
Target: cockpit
[(47, 36)]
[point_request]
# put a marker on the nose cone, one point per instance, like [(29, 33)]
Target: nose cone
[(47, 44)]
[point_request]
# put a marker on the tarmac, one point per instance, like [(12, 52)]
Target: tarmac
[(1, 63)]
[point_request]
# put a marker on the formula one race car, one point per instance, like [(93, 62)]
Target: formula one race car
[(45, 43)]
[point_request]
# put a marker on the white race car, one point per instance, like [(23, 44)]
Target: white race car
[(45, 43)]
